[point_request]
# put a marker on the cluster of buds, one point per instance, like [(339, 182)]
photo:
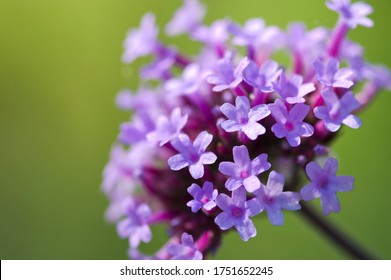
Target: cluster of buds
[(224, 136)]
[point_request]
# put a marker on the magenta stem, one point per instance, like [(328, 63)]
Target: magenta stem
[(337, 38)]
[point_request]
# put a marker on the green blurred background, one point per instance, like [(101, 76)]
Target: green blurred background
[(60, 70)]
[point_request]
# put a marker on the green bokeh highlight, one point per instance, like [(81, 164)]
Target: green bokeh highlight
[(60, 69)]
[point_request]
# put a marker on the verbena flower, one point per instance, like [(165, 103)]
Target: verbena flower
[(244, 171), (272, 199), (205, 131), (204, 197), (244, 118), (325, 185)]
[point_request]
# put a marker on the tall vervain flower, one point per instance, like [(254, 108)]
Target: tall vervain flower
[(208, 129)]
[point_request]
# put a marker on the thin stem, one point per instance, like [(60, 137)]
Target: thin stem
[(339, 238)]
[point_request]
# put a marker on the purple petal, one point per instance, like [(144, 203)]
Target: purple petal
[(309, 192), (228, 168), (246, 230), (196, 170), (251, 183), (241, 156), (289, 200), (224, 220), (177, 162), (203, 140), (330, 203), (275, 183), (275, 215)]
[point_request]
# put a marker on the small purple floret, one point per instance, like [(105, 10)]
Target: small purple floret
[(168, 129), (272, 198), (243, 171), (186, 18), (338, 111), (293, 90), (135, 225), (141, 42), (352, 14), (184, 251), (325, 184), (330, 75), (203, 197), (192, 154), (244, 118), (290, 123), (263, 77), (236, 213), (227, 76)]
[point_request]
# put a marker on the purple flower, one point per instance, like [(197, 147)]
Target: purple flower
[(186, 18), (142, 41), (272, 198), (254, 33), (160, 68), (213, 36), (293, 90), (263, 77), (190, 82), (290, 123), (136, 131), (330, 75), (227, 77), (203, 197), (236, 213), (168, 129), (243, 171), (325, 184), (244, 118), (192, 154), (184, 251), (135, 226), (352, 14), (338, 111), (379, 75)]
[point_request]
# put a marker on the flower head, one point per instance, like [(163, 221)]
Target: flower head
[(325, 185), (204, 130)]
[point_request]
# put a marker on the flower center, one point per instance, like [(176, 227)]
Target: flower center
[(243, 120), (194, 157), (243, 174), (268, 199), (204, 199), (323, 182), (289, 126), (237, 212)]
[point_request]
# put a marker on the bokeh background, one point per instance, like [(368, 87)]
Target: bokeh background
[(60, 70)]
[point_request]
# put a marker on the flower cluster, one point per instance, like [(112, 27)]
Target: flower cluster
[(218, 138)]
